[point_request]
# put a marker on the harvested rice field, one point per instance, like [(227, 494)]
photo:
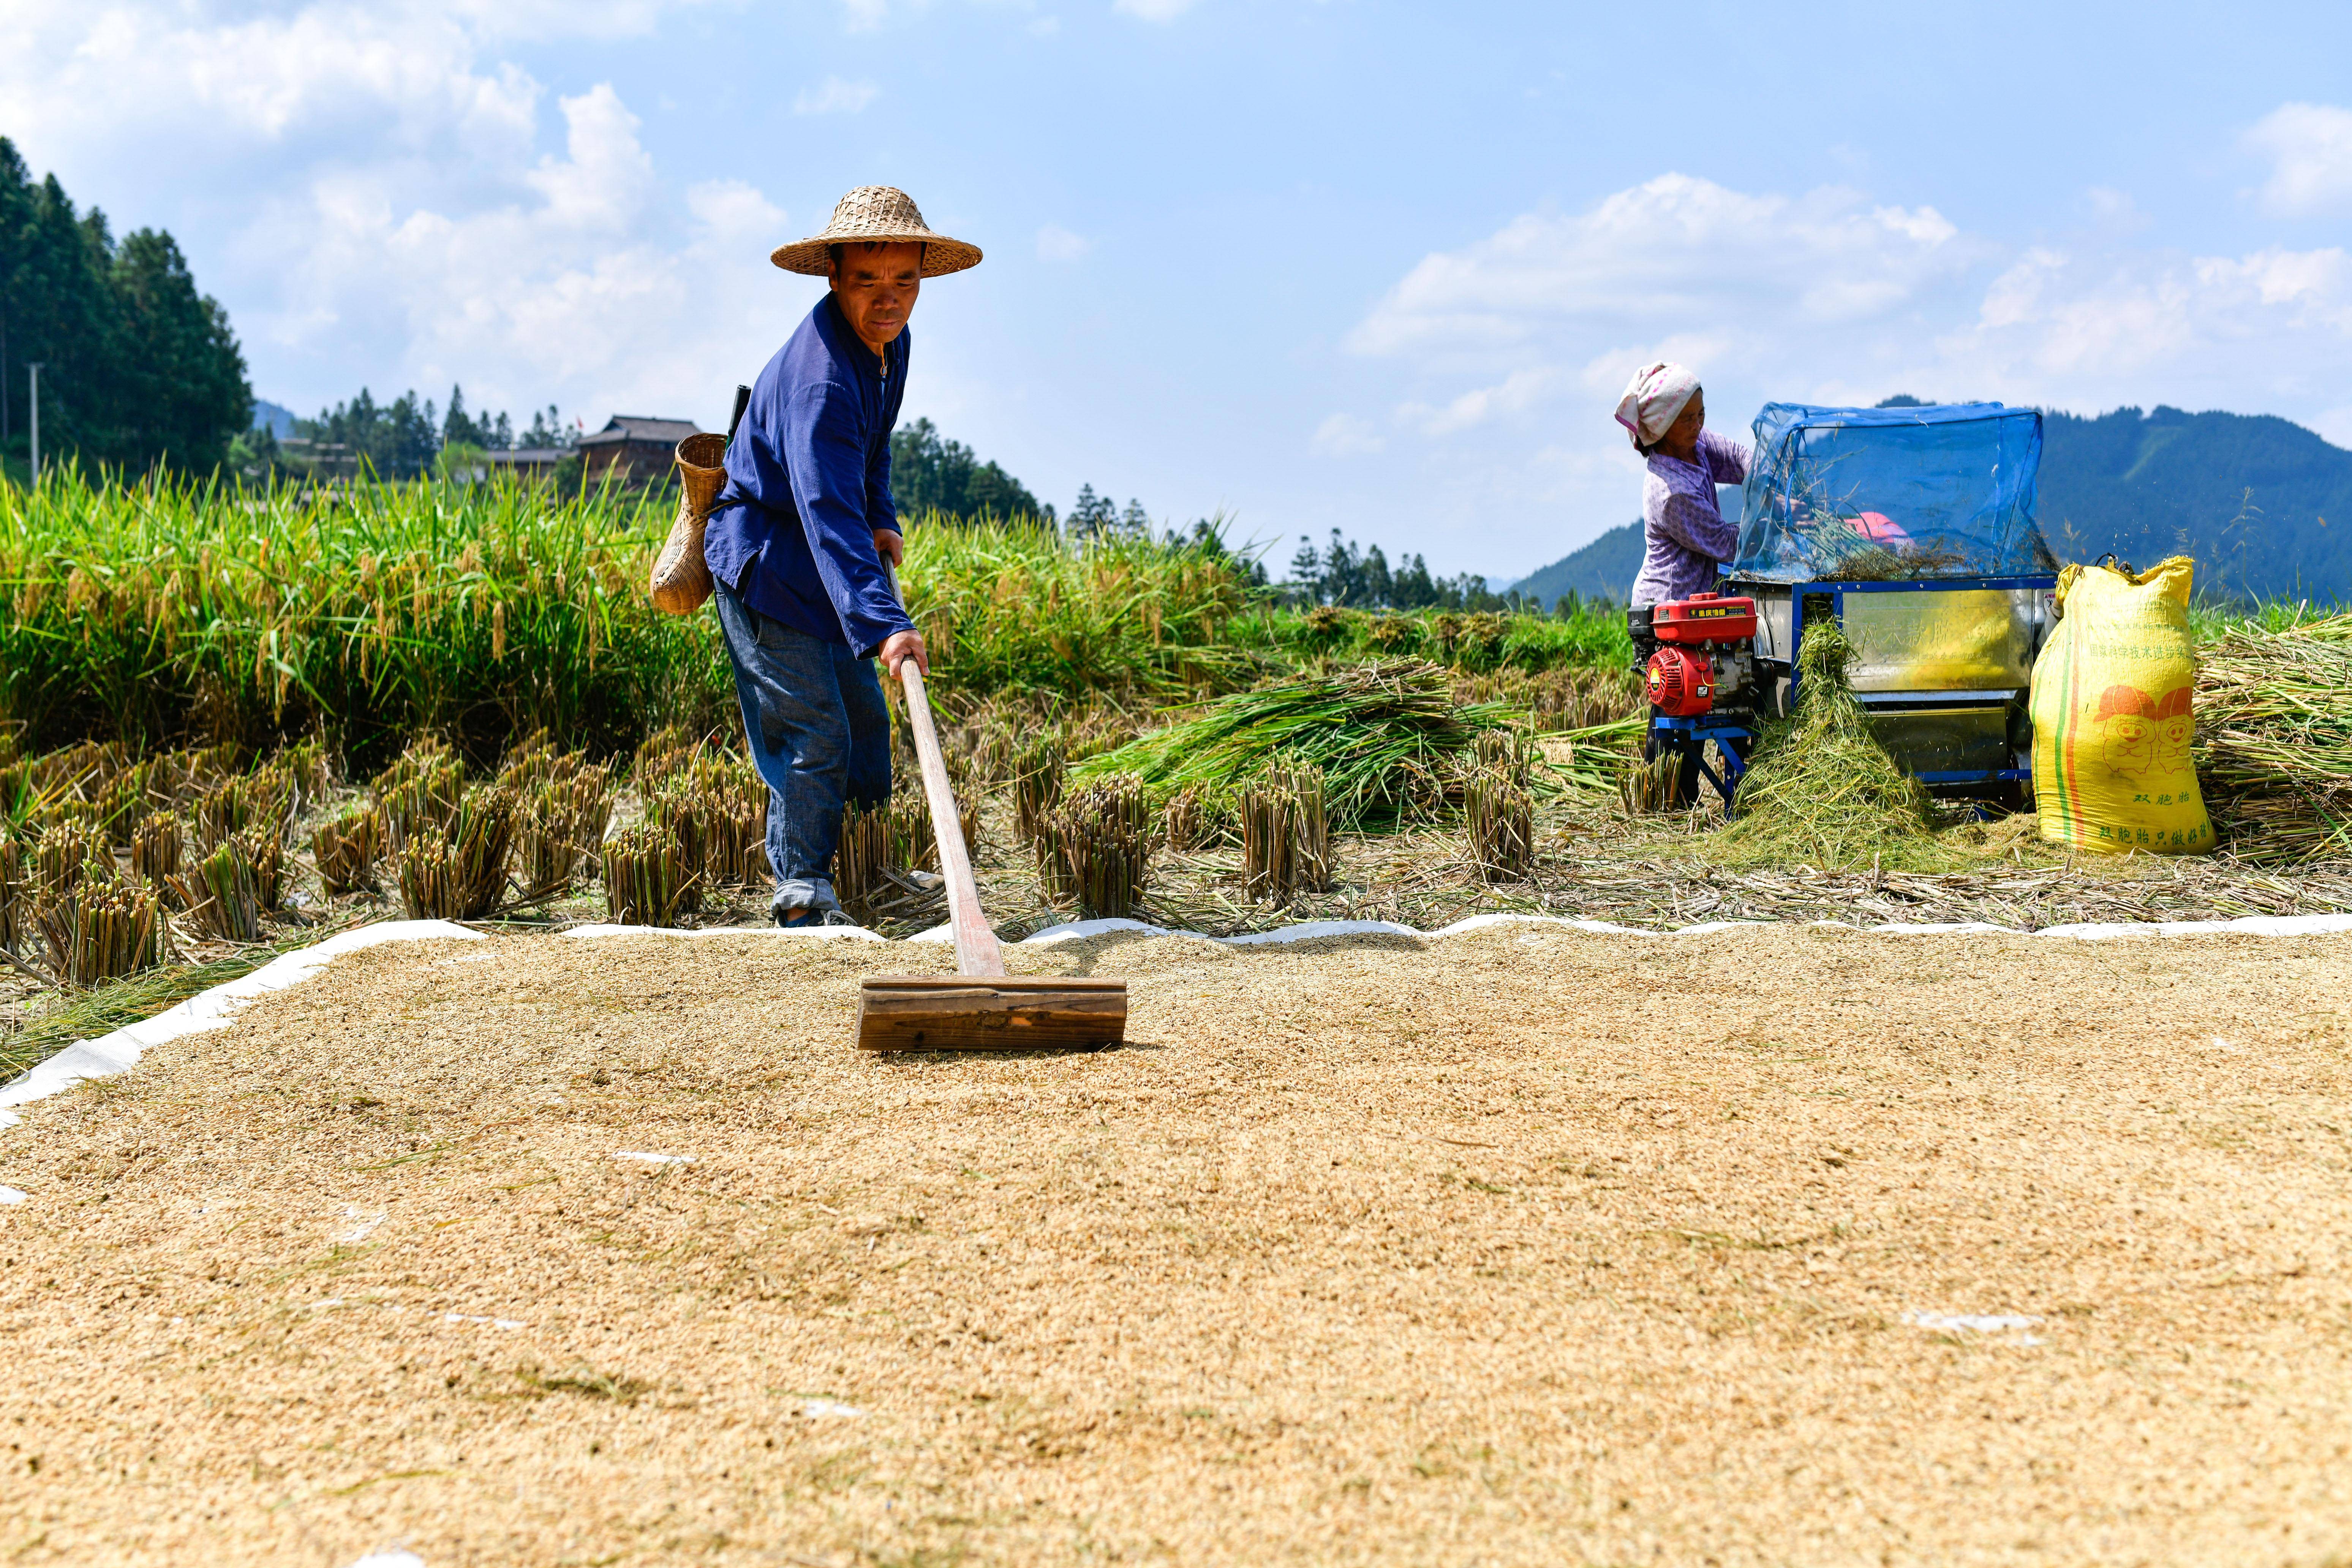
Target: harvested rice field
[(1778, 1245)]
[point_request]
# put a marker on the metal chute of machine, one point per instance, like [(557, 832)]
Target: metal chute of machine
[(1914, 528)]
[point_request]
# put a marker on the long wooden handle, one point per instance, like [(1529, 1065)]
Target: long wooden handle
[(975, 944)]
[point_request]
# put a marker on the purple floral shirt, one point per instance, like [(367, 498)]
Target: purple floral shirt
[(1684, 530)]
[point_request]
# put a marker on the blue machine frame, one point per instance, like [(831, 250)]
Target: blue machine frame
[(1704, 729), (1837, 591)]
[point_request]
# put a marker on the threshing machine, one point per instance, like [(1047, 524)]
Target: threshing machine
[(1913, 529)]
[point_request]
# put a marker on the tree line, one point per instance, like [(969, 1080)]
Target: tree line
[(403, 440), (137, 368), (1360, 577)]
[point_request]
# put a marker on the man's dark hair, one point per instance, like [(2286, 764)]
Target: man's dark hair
[(836, 250)]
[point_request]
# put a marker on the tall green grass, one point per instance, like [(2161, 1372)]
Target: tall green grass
[(167, 609), (171, 609), (1481, 642), (1014, 609)]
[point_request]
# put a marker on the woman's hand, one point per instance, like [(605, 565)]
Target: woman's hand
[(889, 546), (904, 646)]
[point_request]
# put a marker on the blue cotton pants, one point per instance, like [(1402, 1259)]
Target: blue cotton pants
[(820, 734)]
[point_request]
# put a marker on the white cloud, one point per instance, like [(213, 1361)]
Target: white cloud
[(1675, 246), (835, 96), (1517, 391), (1346, 435), (1524, 339), (2310, 149), (1055, 243), (406, 226), (1154, 10)]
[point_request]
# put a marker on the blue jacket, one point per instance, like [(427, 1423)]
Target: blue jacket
[(808, 481)]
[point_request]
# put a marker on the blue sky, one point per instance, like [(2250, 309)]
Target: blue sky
[(1313, 263)]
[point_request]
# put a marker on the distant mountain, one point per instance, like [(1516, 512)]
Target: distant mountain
[(2263, 504), (279, 422), (1604, 569)]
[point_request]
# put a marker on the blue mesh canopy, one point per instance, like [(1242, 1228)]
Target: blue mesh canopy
[(1885, 494)]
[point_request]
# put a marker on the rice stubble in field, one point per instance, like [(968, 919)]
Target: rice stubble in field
[(1516, 1246)]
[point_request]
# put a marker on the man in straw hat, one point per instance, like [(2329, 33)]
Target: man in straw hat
[(797, 538)]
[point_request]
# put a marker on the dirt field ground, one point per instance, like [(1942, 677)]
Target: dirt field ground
[(1779, 1246)]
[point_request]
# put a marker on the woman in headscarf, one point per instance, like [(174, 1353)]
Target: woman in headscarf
[(1665, 411), (1686, 538)]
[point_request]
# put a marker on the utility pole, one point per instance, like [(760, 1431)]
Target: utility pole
[(35, 370)]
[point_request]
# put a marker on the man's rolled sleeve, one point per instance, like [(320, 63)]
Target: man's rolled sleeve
[(820, 442)]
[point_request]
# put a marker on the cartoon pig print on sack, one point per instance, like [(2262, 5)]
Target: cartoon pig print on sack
[(2129, 715), (2175, 728)]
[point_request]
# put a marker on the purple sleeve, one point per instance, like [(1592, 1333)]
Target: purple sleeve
[(1727, 459), (830, 475), (1696, 526)]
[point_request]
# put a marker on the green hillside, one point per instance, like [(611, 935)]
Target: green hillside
[(1604, 569), (2263, 504)]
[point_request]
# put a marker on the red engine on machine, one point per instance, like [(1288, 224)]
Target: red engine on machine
[(1708, 652)]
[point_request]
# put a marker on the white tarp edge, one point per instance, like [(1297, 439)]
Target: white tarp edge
[(121, 1050)]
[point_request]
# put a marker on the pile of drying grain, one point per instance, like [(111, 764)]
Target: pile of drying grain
[(1528, 1246)]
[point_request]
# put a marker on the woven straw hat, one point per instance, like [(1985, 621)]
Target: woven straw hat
[(871, 214)]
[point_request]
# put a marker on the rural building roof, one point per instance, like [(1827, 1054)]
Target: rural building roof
[(637, 427)]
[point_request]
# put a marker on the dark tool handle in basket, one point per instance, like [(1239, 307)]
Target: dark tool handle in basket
[(743, 401)]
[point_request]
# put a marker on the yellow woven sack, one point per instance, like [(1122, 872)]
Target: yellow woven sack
[(2111, 715)]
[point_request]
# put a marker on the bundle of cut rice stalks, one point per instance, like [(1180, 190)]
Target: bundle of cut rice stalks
[(2275, 741), (1385, 736)]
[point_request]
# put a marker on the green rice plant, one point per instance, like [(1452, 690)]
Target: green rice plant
[(1011, 607), (221, 891), (1039, 765), (1822, 791), (101, 927), (1498, 816), (158, 847), (1592, 636), (646, 881), (1385, 736), (461, 873), (345, 851), (1286, 834), (2274, 745), (1097, 848), (367, 613)]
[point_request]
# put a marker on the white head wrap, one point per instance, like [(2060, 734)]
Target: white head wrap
[(1653, 399)]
